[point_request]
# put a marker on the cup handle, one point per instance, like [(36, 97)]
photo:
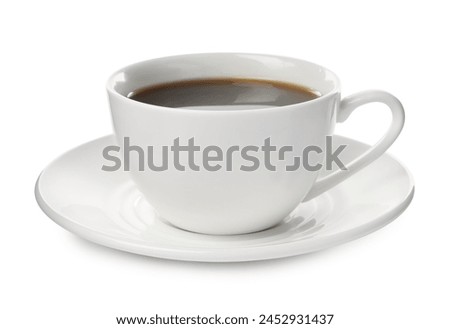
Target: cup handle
[(347, 106)]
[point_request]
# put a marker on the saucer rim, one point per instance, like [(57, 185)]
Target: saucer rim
[(234, 254)]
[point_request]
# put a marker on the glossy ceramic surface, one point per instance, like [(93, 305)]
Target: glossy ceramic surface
[(236, 202), (108, 209)]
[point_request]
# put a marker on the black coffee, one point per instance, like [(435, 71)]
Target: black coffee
[(224, 93)]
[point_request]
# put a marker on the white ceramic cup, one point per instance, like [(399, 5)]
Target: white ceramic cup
[(236, 201)]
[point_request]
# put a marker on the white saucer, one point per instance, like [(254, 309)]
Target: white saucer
[(107, 209)]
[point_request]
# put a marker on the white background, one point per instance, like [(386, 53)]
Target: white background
[(55, 58)]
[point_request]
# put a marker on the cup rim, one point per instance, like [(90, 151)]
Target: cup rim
[(110, 84)]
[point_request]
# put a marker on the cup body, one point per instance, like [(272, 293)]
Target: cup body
[(228, 200)]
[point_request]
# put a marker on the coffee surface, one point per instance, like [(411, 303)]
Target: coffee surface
[(224, 94)]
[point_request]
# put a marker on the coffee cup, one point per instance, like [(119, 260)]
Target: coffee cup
[(221, 198)]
